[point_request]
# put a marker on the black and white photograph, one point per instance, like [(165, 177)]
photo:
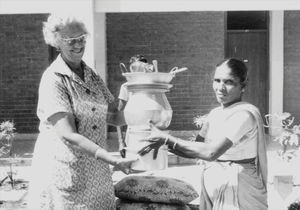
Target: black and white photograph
[(139, 104)]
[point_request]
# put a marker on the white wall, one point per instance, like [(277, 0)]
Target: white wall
[(192, 5)]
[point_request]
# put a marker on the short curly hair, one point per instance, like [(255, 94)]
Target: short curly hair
[(55, 23)]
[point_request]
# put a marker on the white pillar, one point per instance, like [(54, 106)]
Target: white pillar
[(100, 44), (276, 64)]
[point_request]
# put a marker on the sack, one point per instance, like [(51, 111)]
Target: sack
[(155, 189), (132, 205)]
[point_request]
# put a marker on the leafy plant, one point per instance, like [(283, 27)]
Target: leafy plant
[(7, 134), (200, 120), (289, 136)]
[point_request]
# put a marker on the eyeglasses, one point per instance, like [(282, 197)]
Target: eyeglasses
[(80, 39)]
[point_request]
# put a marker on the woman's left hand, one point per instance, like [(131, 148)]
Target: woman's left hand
[(124, 164)]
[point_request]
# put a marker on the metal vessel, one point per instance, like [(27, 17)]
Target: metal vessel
[(147, 102)]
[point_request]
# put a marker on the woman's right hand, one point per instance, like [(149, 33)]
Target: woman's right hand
[(124, 164)]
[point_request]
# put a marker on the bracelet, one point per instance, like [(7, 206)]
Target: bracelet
[(166, 140), (96, 153)]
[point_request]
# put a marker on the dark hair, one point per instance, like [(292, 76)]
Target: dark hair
[(137, 58), (238, 69)]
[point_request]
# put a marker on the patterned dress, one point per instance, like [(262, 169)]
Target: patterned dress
[(64, 177)]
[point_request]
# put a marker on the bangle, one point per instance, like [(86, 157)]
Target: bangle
[(166, 140), (174, 145), (96, 153)]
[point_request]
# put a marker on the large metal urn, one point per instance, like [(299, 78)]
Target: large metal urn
[(147, 102)]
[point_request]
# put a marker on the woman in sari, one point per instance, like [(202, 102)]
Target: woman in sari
[(232, 143)]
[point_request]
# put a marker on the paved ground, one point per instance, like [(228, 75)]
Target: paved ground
[(281, 193), (278, 198)]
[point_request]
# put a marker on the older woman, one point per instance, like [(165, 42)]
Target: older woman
[(235, 176), (70, 163)]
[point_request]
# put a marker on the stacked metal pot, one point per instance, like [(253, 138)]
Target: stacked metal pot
[(147, 102)]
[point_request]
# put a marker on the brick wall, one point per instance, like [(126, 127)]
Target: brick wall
[(191, 39), (291, 97), (24, 56)]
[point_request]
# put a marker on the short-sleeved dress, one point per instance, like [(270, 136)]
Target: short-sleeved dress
[(64, 177)]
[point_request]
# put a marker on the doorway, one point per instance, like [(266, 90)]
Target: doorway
[(247, 39)]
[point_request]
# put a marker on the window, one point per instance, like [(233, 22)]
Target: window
[(247, 20)]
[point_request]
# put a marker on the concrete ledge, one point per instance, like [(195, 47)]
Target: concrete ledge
[(181, 134), (24, 143), (26, 136), (21, 161), (23, 146), (110, 135), (15, 161)]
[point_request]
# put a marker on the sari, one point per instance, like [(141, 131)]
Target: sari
[(241, 184)]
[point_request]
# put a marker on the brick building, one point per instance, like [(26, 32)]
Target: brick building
[(193, 38), (24, 57)]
